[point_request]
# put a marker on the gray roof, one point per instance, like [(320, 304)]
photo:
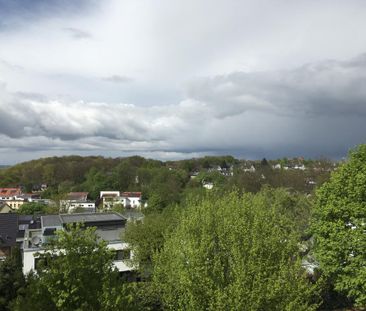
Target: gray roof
[(51, 221), (92, 217), (8, 229)]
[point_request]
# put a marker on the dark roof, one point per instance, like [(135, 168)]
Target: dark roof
[(33, 221), (92, 217), (8, 229), (51, 221)]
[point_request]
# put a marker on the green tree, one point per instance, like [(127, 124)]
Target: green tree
[(76, 272), (147, 237), (11, 279), (32, 208), (233, 253), (339, 227)]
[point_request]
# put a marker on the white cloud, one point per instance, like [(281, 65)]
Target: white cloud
[(313, 110), (206, 76)]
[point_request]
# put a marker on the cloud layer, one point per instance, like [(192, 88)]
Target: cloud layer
[(317, 109), (180, 78)]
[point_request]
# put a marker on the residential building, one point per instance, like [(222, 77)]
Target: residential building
[(131, 199), (77, 200), (109, 199), (5, 208), (109, 227), (251, 169), (14, 198), (8, 234), (127, 199), (8, 193)]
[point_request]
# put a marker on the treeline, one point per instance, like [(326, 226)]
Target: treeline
[(162, 183)]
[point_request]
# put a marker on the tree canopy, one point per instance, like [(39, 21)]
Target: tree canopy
[(340, 227), (232, 252)]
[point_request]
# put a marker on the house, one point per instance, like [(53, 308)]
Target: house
[(109, 227), (131, 199), (300, 167), (15, 202), (194, 174), (9, 193), (39, 188), (14, 198), (277, 166), (127, 199), (8, 234), (251, 169), (109, 199), (82, 206), (5, 208), (76, 200)]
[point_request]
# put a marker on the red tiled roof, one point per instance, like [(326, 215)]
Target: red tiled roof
[(131, 194), (77, 195), (10, 192)]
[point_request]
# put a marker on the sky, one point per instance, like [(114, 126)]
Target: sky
[(174, 79)]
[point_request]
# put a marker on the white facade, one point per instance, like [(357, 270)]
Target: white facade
[(109, 227), (127, 199), (249, 170), (29, 258), (84, 205), (131, 201)]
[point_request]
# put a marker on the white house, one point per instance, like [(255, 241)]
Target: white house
[(110, 198), (110, 227), (131, 199), (76, 200), (250, 170), (277, 166), (127, 199)]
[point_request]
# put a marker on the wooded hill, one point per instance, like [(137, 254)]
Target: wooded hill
[(162, 182)]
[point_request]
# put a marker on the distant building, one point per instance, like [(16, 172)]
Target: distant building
[(277, 166), (14, 198), (9, 193), (251, 169), (109, 199), (127, 199), (131, 199), (77, 200), (5, 208)]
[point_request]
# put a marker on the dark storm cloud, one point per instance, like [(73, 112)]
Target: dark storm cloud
[(317, 109), (325, 88), (10, 9)]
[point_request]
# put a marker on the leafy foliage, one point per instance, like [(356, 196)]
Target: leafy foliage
[(32, 208), (340, 227), (147, 237), (11, 279), (233, 253), (76, 273)]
